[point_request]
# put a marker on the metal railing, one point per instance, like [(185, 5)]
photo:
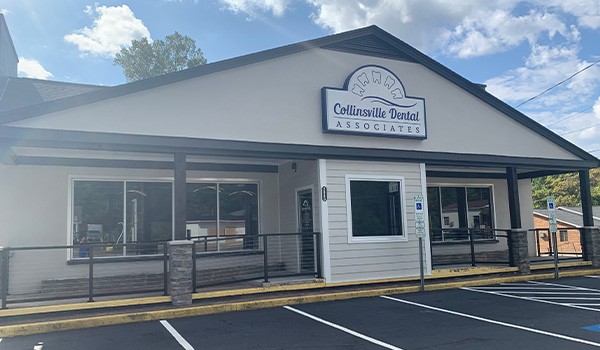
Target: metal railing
[(244, 258), (469, 246), (91, 270), (27, 274), (568, 242)]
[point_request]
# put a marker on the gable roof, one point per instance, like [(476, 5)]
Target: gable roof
[(571, 215), (16, 93), (371, 41)]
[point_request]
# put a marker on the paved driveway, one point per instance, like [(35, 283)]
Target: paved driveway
[(562, 314)]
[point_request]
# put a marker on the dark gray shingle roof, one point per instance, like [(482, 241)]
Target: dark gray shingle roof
[(16, 93), (571, 215)]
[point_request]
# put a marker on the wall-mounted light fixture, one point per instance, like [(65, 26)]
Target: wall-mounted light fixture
[(294, 167)]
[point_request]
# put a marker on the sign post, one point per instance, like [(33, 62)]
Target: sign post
[(552, 225), (420, 231)]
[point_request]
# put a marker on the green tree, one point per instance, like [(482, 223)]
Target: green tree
[(144, 60), (565, 187)]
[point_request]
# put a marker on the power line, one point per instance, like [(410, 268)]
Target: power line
[(559, 83), (574, 131), (570, 116)]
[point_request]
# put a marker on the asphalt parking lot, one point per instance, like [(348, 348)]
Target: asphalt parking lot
[(563, 314)]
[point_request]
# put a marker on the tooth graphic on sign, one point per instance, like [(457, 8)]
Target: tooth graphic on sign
[(363, 79), (377, 77), (397, 93), (357, 90), (389, 82)]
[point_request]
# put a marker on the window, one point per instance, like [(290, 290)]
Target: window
[(121, 212), (564, 235), (453, 210), (375, 209), (224, 215)]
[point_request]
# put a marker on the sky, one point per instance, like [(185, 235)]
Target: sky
[(519, 49)]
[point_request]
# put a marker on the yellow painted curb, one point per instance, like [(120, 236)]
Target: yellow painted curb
[(84, 306), (108, 320)]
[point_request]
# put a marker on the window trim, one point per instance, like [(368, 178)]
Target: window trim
[(376, 239), (563, 233)]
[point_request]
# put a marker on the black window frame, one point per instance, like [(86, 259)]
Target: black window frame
[(440, 237)]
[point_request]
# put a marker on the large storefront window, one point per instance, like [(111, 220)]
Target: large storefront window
[(223, 215), (454, 210), (375, 209), (121, 212)]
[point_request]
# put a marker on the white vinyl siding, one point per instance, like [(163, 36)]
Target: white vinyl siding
[(370, 260)]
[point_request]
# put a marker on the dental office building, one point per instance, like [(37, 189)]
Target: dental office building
[(335, 135)]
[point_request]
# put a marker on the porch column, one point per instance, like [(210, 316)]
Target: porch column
[(518, 254), (514, 206), (590, 236), (179, 202)]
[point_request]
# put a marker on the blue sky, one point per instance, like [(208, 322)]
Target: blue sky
[(517, 48)]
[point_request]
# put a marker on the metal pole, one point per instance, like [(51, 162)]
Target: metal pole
[(166, 269), (266, 259), (4, 276), (91, 275), (472, 247), (538, 246), (421, 267), (555, 244)]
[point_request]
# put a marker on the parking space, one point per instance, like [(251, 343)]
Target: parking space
[(562, 314)]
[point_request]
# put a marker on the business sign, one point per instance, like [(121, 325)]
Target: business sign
[(373, 102)]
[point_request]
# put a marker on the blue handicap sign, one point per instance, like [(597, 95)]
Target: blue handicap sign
[(419, 206), (551, 205)]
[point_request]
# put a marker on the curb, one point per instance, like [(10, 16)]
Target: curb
[(125, 318)]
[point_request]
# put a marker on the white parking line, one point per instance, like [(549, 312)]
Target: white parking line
[(181, 340), (570, 292), (565, 286), (344, 329), (530, 299), (522, 288), (510, 325)]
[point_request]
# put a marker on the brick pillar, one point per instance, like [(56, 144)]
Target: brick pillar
[(591, 236), (518, 252), (180, 272)]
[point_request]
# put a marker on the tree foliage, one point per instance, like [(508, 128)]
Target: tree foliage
[(565, 188), (144, 60)]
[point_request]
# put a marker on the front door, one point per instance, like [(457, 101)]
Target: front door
[(305, 225)]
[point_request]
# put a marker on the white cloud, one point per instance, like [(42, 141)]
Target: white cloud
[(113, 27), (459, 28), (489, 32), (545, 67), (31, 68), (587, 12), (251, 7)]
